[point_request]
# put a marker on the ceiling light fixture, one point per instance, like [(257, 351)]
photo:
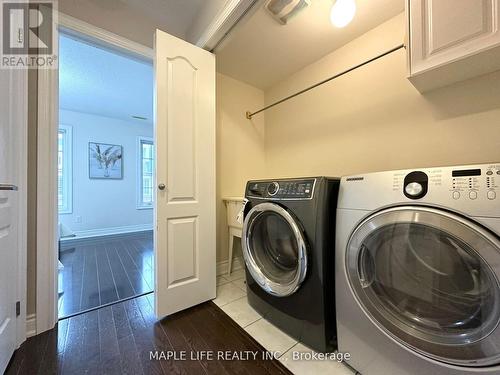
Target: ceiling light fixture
[(342, 12)]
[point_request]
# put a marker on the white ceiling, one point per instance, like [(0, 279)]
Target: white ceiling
[(101, 82), (262, 52), (138, 19), (177, 16)]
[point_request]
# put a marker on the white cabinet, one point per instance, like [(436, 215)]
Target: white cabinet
[(452, 40)]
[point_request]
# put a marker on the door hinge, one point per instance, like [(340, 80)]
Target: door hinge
[(18, 308)]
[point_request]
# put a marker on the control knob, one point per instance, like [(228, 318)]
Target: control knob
[(415, 185), (414, 189), (273, 188)]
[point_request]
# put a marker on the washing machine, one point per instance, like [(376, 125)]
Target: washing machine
[(418, 269), (288, 247)]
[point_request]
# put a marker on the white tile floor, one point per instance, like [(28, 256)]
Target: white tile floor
[(231, 298), (227, 293)]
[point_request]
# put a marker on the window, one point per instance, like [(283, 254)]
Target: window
[(64, 172), (146, 169)]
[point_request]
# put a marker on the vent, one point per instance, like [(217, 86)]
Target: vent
[(283, 10)]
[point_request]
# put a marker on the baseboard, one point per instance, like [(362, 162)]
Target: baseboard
[(108, 231), (222, 267), (30, 325)]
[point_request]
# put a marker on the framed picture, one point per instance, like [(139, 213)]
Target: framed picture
[(105, 161)]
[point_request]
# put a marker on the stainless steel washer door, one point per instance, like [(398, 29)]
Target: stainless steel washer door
[(429, 278), (274, 249)]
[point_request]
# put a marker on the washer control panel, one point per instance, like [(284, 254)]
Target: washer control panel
[(470, 183), (475, 183), (470, 189), (281, 189), (481, 183)]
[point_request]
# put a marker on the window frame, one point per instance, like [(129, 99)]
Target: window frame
[(67, 165), (140, 205)]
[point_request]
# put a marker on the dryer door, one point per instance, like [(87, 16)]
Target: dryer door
[(429, 279), (274, 249)]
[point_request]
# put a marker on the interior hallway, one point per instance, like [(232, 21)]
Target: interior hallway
[(99, 271)]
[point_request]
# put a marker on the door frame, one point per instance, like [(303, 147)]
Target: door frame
[(47, 126), (47, 123), (21, 86)]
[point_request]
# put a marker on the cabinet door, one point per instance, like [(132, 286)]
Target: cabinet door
[(444, 31)]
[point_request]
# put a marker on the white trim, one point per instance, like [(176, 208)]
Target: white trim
[(108, 231), (22, 194), (48, 97), (30, 325), (222, 267), (67, 168), (47, 258), (138, 178), (223, 22), (74, 26)]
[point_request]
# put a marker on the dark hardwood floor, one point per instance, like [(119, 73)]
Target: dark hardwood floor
[(118, 339), (98, 271)]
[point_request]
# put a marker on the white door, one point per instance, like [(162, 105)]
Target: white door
[(185, 173), (10, 123)]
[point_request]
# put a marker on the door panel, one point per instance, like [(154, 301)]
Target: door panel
[(185, 208), (444, 31), (182, 107), (11, 123), (447, 17), (182, 261), (7, 278)]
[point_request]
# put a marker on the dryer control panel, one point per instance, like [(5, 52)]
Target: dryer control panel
[(293, 189), (471, 189), (472, 183)]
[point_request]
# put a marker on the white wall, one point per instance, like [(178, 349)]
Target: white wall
[(240, 148), (373, 119), (104, 204)]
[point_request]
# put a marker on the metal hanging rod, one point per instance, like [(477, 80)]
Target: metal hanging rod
[(249, 114)]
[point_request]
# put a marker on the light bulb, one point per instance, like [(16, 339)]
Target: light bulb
[(342, 12)]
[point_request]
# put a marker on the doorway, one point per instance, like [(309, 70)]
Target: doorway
[(105, 170), (184, 200)]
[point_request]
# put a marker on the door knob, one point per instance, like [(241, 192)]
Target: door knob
[(161, 186)]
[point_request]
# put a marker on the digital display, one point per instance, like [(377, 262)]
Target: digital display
[(466, 173)]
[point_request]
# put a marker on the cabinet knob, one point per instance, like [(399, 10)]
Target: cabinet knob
[(161, 186)]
